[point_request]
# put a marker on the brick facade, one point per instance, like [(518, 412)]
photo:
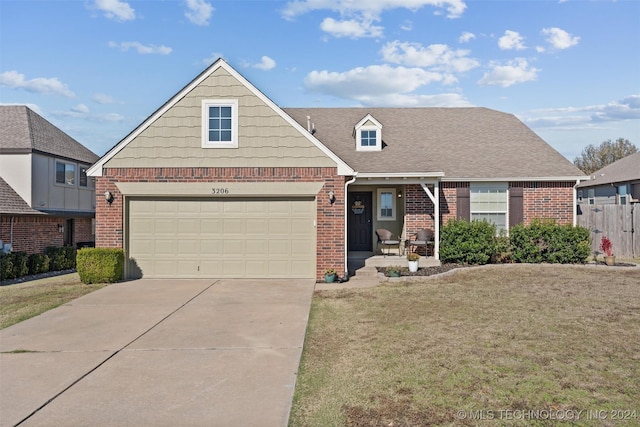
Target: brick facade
[(540, 200), (32, 234), (330, 217)]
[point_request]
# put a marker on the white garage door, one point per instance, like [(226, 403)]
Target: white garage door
[(226, 238)]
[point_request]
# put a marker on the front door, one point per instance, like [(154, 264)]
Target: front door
[(359, 223)]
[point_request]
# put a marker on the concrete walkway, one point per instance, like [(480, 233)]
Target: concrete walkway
[(159, 353)]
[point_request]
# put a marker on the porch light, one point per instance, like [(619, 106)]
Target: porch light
[(332, 197), (108, 196), (60, 228)]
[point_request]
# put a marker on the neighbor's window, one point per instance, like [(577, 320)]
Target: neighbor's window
[(622, 194), (592, 196), (82, 181), (220, 123), (580, 195), (490, 201), (386, 204), (65, 173)]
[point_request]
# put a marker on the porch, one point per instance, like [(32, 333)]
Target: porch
[(364, 264)]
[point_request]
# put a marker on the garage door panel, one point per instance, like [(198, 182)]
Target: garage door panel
[(222, 238)]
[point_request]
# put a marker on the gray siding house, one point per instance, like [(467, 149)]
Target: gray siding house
[(615, 184)]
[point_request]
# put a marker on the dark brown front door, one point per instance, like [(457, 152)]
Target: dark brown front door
[(359, 223)]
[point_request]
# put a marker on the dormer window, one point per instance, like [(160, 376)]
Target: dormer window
[(368, 134)]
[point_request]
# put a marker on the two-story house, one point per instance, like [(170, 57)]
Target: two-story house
[(46, 197)]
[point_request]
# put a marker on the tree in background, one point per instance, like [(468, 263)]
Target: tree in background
[(594, 158)]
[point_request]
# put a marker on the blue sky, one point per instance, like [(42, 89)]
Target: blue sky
[(97, 68)]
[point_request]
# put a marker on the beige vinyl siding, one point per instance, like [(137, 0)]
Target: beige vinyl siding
[(264, 138)]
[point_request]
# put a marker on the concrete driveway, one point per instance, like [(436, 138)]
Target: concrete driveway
[(159, 353)]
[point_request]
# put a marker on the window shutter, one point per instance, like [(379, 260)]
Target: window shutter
[(516, 211), (463, 203)]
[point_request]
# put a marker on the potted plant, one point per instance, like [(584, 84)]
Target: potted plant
[(607, 248), (413, 259), (330, 275), (393, 271)]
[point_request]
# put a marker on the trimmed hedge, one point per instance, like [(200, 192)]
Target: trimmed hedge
[(100, 265), (545, 241), (465, 242), (61, 258), (38, 263), (13, 265)]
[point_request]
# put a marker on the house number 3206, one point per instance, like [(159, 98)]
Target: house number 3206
[(220, 191)]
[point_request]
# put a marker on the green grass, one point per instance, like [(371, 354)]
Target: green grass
[(22, 301), (499, 340)]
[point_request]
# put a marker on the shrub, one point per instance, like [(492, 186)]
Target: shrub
[(545, 241), (466, 242), (20, 264), (38, 263), (6, 266), (61, 258), (100, 265)]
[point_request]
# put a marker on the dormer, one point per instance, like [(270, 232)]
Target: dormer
[(368, 134)]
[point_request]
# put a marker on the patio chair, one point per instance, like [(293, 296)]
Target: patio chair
[(423, 238), (388, 239)]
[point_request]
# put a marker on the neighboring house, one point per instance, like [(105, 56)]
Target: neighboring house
[(615, 184), (46, 197), (222, 182)]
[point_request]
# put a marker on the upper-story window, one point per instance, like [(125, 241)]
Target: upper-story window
[(622, 194), (220, 123), (368, 134), (83, 181), (65, 173)]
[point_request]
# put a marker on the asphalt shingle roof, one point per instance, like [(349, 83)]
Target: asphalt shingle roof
[(12, 203), (624, 170), (461, 142), (24, 131)]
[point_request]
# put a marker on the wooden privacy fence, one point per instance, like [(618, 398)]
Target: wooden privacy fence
[(620, 223)]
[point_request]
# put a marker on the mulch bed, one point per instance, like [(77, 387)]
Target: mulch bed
[(36, 277)]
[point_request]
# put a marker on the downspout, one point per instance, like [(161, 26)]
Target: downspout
[(575, 203), (11, 233), (346, 210)]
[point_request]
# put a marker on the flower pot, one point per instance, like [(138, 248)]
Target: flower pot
[(329, 278), (610, 260), (413, 266)]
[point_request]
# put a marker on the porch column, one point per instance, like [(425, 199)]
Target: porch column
[(435, 199)]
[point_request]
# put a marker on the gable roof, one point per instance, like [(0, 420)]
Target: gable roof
[(96, 169), (12, 203), (624, 170), (23, 131), (470, 143)]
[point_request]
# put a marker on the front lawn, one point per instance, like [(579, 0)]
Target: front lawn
[(22, 301), (505, 345)]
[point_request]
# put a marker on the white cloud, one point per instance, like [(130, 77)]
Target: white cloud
[(352, 28), (198, 12), (624, 109), (560, 39), (265, 63), (375, 81), (511, 40), (516, 71), (438, 56), (80, 108), (140, 48), (102, 98), (406, 25), (116, 10), (455, 8), (47, 86), (466, 37)]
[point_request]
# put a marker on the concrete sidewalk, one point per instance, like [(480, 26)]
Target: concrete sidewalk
[(159, 353)]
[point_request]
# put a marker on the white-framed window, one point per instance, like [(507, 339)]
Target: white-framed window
[(220, 123), (368, 134), (65, 173), (591, 195), (490, 201), (386, 204), (622, 194)]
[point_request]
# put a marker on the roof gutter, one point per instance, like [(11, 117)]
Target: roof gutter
[(518, 179)]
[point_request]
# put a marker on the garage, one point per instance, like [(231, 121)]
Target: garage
[(228, 237)]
